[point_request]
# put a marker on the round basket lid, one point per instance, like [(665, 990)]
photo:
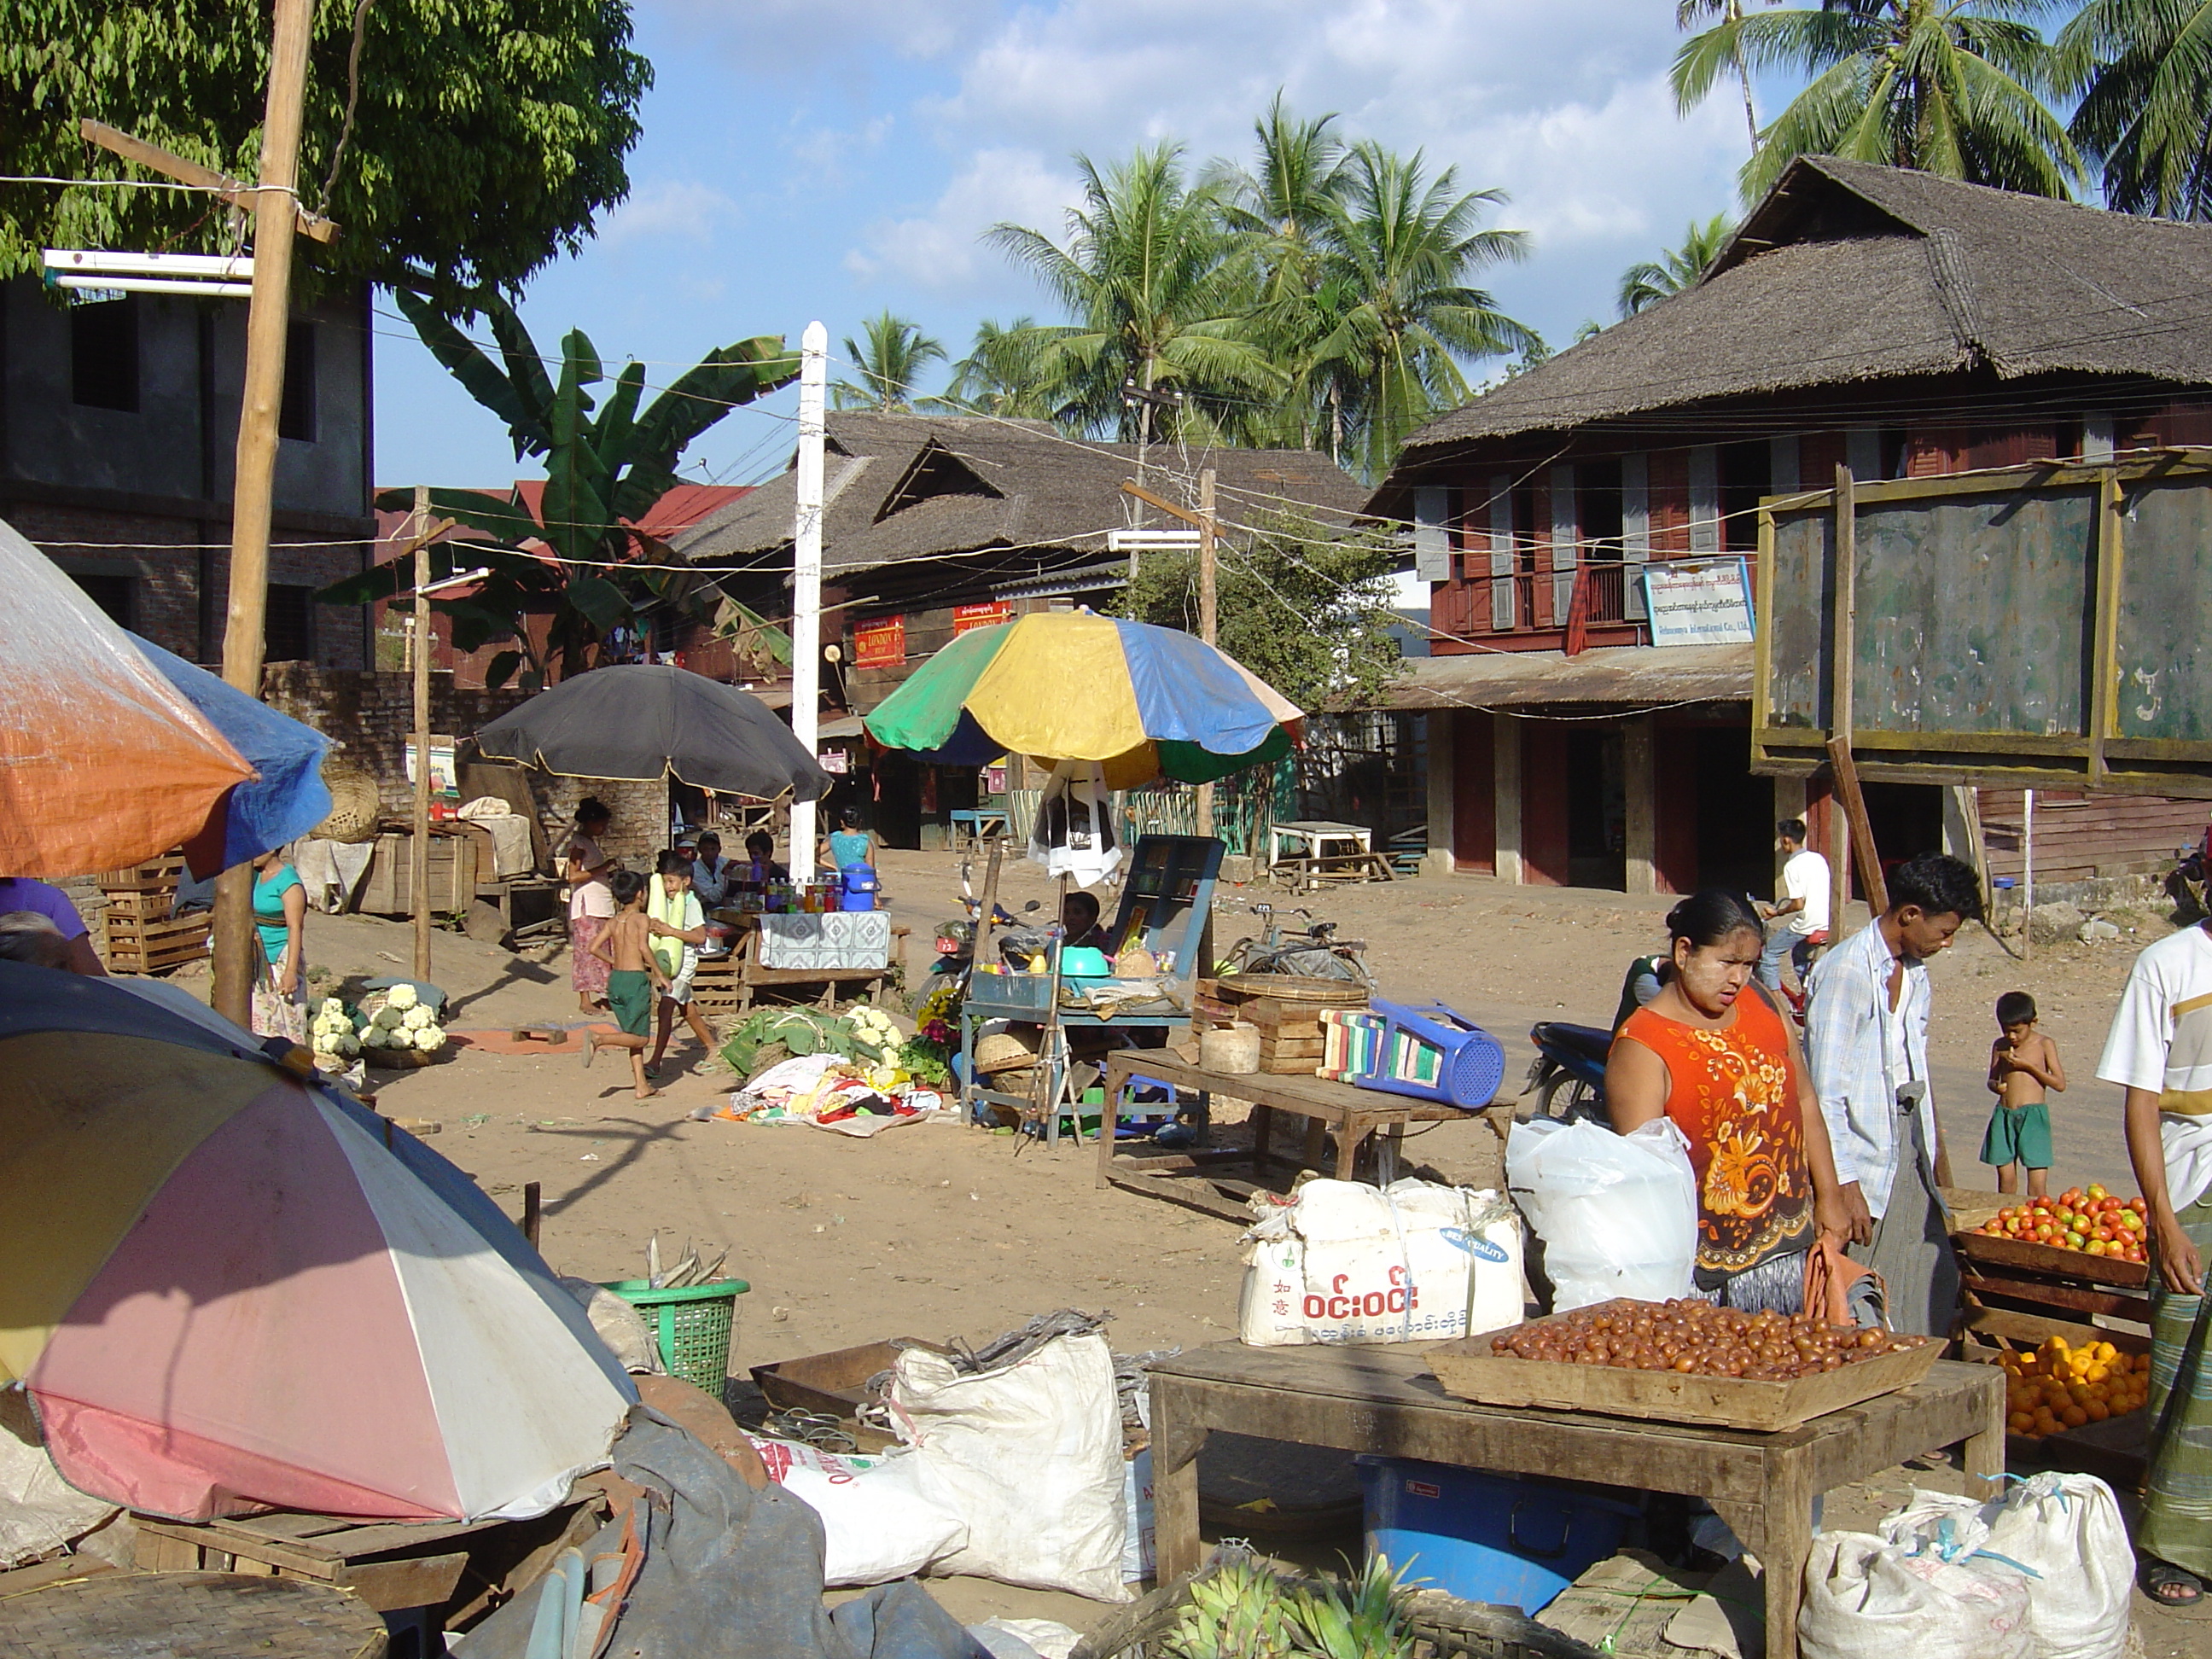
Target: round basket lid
[(1298, 988)]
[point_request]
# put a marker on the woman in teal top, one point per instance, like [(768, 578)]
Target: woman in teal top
[(279, 915), (848, 843)]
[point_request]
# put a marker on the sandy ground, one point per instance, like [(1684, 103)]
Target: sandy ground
[(938, 1230)]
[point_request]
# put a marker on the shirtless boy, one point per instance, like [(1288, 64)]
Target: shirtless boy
[(2023, 1063), (634, 974)]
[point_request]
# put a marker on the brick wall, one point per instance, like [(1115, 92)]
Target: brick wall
[(370, 716), (179, 581)]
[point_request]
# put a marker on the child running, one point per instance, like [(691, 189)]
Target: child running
[(2023, 1063), (627, 947), (677, 924)]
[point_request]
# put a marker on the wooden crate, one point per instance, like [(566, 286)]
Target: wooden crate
[(2039, 1278), (1290, 1040), (137, 946), (2113, 1450), (154, 876), (1468, 1368)]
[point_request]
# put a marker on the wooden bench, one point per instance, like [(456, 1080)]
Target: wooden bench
[(1190, 1178), (725, 984)]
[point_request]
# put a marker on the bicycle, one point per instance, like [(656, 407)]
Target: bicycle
[(1316, 953)]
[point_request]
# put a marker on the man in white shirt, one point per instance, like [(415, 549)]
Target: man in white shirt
[(2160, 1051), (1803, 905), (1866, 1045)]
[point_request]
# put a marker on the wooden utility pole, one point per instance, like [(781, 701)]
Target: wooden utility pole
[(1839, 695), (267, 318), (1208, 608), (418, 850)]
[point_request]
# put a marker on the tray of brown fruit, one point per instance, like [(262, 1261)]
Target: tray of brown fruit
[(1683, 1362)]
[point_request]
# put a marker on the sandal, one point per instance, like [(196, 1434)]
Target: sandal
[(2169, 1586)]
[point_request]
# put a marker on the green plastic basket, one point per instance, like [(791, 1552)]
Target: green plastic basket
[(692, 1326)]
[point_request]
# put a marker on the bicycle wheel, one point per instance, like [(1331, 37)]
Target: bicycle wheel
[(1571, 1100)]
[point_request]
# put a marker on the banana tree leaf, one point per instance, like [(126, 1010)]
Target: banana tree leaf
[(615, 433), (477, 374), (525, 368), (604, 604)]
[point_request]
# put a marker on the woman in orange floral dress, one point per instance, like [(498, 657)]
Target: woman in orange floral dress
[(1712, 1052)]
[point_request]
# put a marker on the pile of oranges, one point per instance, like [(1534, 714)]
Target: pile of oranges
[(2058, 1386)]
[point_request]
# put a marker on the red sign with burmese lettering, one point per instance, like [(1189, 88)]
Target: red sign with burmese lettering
[(966, 617), (880, 643)]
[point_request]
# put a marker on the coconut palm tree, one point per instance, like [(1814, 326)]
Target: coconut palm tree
[(1950, 87), (1160, 295), (1402, 248), (1688, 14), (887, 361), (1676, 268), (999, 375), (2143, 71)]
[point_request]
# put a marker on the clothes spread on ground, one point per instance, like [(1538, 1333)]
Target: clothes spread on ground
[(1733, 1094), (269, 892)]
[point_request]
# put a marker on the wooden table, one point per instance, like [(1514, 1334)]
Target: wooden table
[(1383, 1400), (726, 983), (1353, 1114), (187, 1615)]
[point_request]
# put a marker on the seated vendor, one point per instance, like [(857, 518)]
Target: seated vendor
[(760, 867), (1079, 924)]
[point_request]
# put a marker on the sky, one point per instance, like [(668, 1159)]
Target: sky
[(828, 159)]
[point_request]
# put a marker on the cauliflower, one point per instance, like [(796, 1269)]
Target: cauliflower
[(402, 997), (374, 1038), (346, 1045), (331, 1008), (388, 1017), (429, 1039), (416, 1017)]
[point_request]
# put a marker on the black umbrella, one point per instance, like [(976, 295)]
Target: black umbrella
[(642, 722)]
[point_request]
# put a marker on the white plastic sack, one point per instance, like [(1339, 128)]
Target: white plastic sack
[(876, 1524), (1030, 1455), (1139, 1536), (1868, 1599), (2065, 1530), (1413, 1261), (40, 1513), (1617, 1214)]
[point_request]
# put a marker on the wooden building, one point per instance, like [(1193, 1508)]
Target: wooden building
[(935, 525), (1898, 323)]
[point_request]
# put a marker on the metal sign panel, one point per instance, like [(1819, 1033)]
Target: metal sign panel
[(1699, 602), (2036, 626)]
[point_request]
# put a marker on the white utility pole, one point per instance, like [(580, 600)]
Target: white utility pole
[(806, 579)]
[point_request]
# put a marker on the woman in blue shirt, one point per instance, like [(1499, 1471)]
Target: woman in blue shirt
[(848, 843), (280, 917)]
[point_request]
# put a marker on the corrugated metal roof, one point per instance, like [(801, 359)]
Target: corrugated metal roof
[(1640, 675)]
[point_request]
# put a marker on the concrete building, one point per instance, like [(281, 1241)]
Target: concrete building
[(118, 432)]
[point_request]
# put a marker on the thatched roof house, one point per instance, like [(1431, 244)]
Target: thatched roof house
[(915, 499), (1848, 275)]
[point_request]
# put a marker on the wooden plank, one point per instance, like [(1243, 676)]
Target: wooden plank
[(1189, 1194), (417, 1581), (2027, 1256), (39, 1574), (2039, 1294), (2032, 1330)]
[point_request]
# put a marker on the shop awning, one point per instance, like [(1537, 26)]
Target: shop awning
[(1640, 676)]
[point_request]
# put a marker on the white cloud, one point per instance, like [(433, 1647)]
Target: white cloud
[(942, 250), (823, 156), (670, 210)]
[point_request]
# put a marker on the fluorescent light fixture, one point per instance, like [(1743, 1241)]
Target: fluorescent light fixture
[(201, 274), (1149, 541), (459, 580)]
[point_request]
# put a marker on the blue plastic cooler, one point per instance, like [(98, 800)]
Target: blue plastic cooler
[(1516, 1541)]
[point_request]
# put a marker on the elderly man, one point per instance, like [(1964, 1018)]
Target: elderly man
[(1866, 1042)]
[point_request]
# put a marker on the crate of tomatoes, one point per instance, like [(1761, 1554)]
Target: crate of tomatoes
[(2084, 1221)]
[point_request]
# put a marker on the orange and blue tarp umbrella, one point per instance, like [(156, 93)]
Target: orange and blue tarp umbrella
[(224, 1290), (1145, 702)]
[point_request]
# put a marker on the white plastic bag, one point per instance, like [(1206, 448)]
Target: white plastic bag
[(2065, 1530), (876, 1524), (1030, 1455), (1866, 1598), (1617, 1214), (1413, 1261)]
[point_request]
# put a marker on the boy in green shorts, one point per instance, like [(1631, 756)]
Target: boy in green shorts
[(2023, 1063), (626, 946)]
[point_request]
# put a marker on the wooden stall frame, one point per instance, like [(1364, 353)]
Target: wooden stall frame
[(2101, 757)]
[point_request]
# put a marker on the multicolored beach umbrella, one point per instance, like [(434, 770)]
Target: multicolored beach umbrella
[(1144, 702), (223, 1289)]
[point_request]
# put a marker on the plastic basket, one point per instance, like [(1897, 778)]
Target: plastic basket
[(692, 1326), (1434, 1054)]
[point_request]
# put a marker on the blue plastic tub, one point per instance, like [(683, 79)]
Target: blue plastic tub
[(1516, 1541), (858, 885)]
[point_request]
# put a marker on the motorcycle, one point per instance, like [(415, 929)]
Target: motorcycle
[(1567, 1077)]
